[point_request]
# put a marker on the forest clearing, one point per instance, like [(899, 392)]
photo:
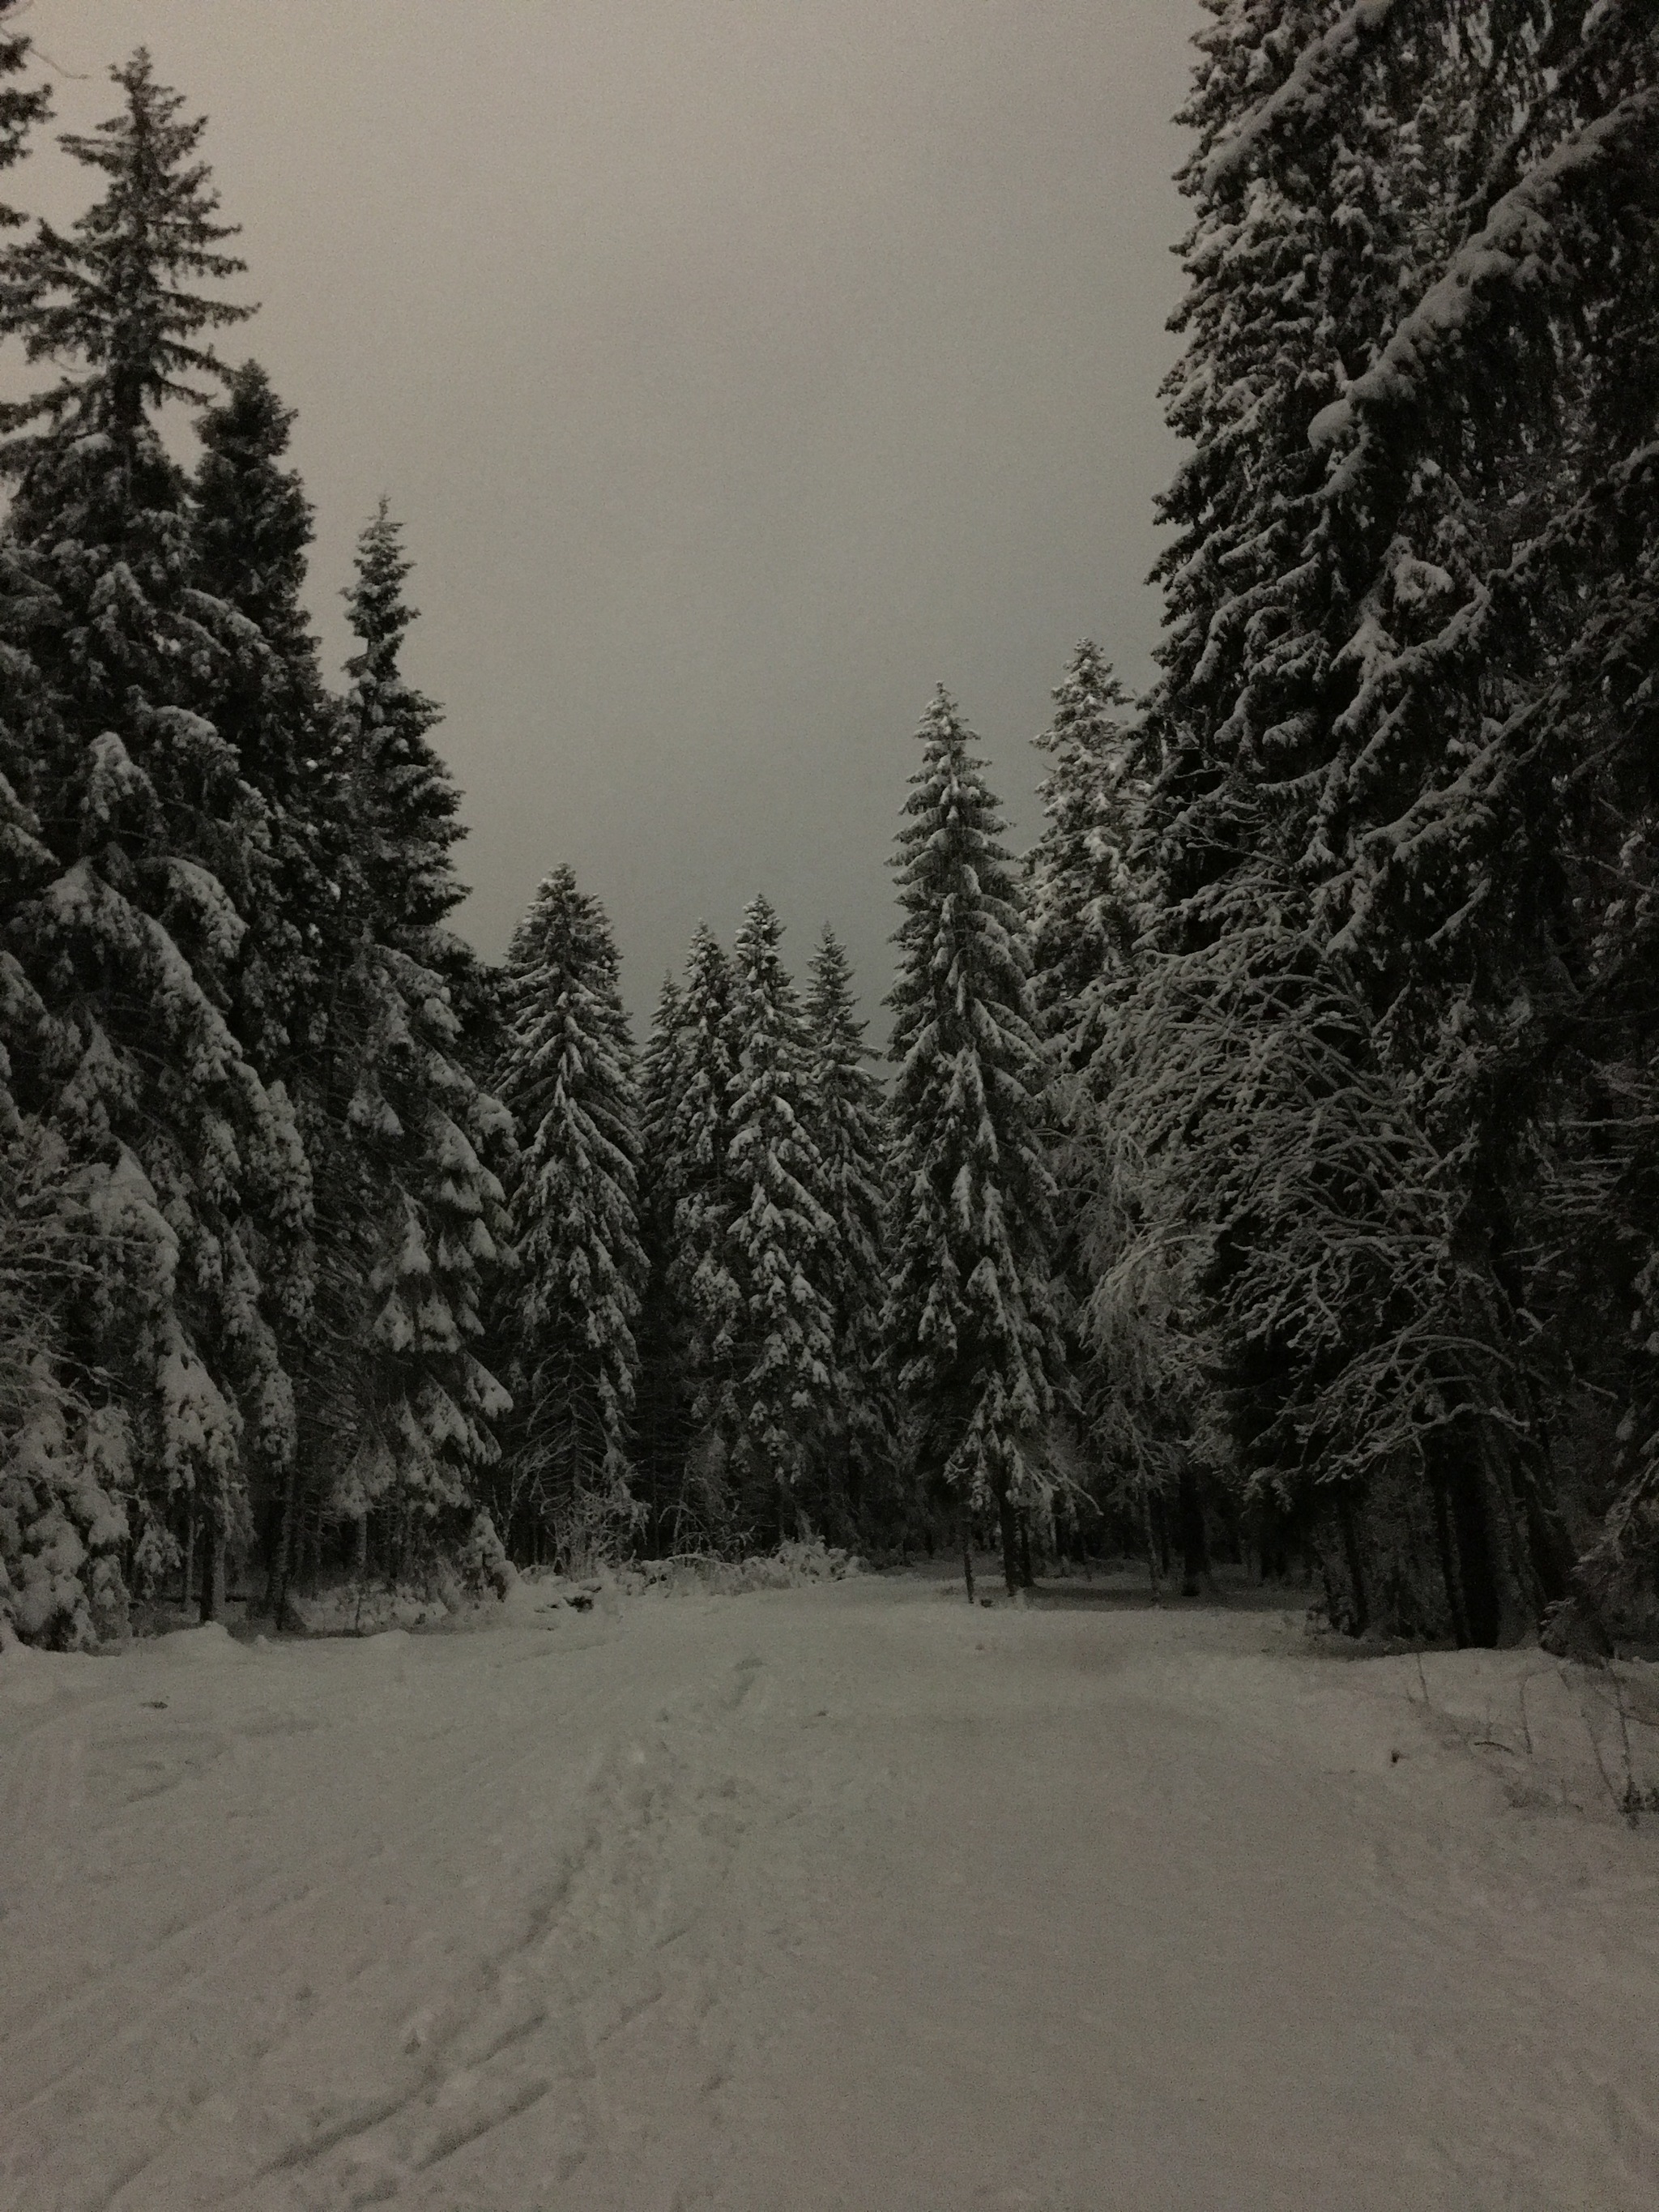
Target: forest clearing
[(840, 1896)]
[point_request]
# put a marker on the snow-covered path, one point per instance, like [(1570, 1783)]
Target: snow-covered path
[(843, 1896)]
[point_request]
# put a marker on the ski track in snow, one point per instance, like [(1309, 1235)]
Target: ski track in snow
[(848, 1896)]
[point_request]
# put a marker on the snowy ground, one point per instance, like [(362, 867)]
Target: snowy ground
[(849, 1896)]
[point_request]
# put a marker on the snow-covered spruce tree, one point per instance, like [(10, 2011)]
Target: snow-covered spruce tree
[(178, 1168), (43, 1581), (969, 1320), (697, 1167), (1082, 896), (253, 532), (1492, 489), (414, 1403), (776, 1354), (1321, 177), (253, 529), (1392, 795), (661, 1408), (850, 1127), (26, 737), (567, 1076), (1126, 1419)]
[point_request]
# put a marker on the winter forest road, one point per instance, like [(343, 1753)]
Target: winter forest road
[(844, 1897)]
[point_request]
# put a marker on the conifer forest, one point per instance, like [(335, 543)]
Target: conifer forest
[(1023, 1573), (1264, 1169)]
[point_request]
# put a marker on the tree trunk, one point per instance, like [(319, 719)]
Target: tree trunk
[(1194, 1546), (1347, 1521), (281, 1558), (1027, 1581), (1009, 1546), (282, 1520), (212, 1556), (1477, 1568), (1443, 1540), (1152, 1537), (968, 1557)]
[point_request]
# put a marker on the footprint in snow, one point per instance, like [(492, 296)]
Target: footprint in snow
[(744, 1670)]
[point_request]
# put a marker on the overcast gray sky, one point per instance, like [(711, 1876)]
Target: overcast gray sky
[(740, 369)]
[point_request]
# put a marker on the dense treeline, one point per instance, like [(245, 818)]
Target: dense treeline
[(254, 1169), (1367, 1137), (322, 1245), (1267, 1167)]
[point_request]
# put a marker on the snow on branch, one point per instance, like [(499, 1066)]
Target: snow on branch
[(1506, 254), (1302, 93)]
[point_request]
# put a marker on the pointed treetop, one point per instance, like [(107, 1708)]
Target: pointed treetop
[(963, 938), (411, 800), (373, 597), (1077, 868), (831, 1003), (249, 420), (113, 292), (707, 968), (766, 1013), (761, 932), (829, 965), (565, 927), (1087, 695), (659, 1075), (705, 1024), (949, 778), (254, 521)]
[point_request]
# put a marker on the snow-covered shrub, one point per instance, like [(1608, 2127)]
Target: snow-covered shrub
[(810, 1559), (362, 1608), (796, 1563), (483, 1561), (63, 1523)]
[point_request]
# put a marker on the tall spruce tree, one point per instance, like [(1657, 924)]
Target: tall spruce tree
[(1088, 909), (1248, 1081), (567, 1075), (252, 534), (23, 705), (777, 1350), (661, 1425), (700, 1280), (252, 529), (1416, 299), (850, 1127), (969, 1317), (1491, 486), (62, 1531), (180, 1166), (429, 1140), (1083, 897)]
